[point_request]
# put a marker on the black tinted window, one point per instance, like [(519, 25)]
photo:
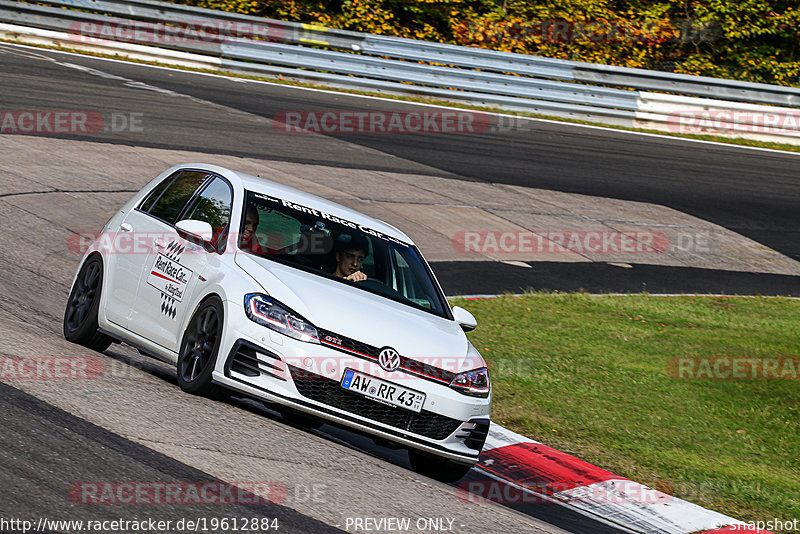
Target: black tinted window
[(171, 202), (330, 246), (156, 193)]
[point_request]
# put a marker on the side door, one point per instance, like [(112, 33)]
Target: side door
[(179, 267), (128, 255), (156, 221)]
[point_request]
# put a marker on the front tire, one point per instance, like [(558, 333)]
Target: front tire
[(199, 349), (436, 467), (80, 316)]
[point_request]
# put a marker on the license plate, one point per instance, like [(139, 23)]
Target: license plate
[(383, 391)]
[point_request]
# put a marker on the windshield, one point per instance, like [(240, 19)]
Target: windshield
[(335, 248)]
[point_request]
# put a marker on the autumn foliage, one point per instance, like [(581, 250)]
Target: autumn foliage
[(751, 40)]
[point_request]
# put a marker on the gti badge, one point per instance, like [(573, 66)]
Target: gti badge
[(388, 359)]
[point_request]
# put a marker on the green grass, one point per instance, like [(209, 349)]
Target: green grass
[(588, 375), (787, 147)]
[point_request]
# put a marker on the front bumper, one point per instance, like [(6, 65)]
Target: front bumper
[(307, 377)]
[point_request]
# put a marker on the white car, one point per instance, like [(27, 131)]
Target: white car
[(276, 294)]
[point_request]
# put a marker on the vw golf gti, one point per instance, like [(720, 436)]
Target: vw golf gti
[(257, 288)]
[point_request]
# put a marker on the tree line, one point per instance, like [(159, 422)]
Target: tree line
[(749, 40)]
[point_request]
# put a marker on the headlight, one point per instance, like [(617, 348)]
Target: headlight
[(269, 312), (473, 383)]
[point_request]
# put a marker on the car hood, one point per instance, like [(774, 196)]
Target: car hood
[(359, 314)]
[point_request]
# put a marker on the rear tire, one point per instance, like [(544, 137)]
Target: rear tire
[(436, 467), (80, 316), (199, 349)]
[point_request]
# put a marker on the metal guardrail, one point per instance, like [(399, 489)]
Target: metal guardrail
[(243, 43), (399, 71), (263, 52), (466, 57), (278, 30)]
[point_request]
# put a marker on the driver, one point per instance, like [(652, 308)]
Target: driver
[(248, 239), (350, 258)]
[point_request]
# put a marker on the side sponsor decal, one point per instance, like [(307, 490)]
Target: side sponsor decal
[(168, 306), (174, 251), (170, 277)]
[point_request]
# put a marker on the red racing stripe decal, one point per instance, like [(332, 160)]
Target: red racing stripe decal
[(542, 468), (164, 277)]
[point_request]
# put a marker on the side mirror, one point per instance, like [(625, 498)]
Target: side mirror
[(464, 319), (199, 232)]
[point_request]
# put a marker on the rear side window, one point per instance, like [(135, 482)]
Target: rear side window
[(170, 203), (156, 193)]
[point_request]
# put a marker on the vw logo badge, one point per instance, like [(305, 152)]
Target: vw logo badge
[(388, 359)]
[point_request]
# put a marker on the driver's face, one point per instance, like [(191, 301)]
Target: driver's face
[(350, 261), (250, 224)]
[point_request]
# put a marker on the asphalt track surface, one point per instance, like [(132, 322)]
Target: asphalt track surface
[(492, 278), (751, 192), (37, 473), (46, 452), (46, 448)]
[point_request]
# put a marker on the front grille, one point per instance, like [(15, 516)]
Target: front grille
[(334, 340), (368, 352), (327, 391)]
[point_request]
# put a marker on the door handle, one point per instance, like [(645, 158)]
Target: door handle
[(160, 243), (125, 227)]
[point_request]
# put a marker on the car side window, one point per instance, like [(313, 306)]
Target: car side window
[(407, 284), (172, 200), (213, 205), (156, 193)]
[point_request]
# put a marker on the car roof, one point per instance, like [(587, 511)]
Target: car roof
[(263, 185)]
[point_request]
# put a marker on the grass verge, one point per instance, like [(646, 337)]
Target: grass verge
[(786, 147), (589, 375)]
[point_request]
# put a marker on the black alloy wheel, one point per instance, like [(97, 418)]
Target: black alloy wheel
[(80, 316), (199, 349)]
